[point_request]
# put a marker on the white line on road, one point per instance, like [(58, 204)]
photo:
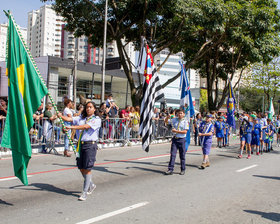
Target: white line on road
[(246, 168), (110, 214), (153, 157), (12, 178)]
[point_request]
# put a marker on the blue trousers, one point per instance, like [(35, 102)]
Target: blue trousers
[(177, 144)]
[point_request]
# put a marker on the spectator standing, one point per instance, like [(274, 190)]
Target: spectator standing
[(3, 107), (135, 120), (3, 114), (38, 122), (67, 112), (125, 127), (48, 125), (155, 119)]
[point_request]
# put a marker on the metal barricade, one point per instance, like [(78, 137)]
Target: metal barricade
[(50, 135)]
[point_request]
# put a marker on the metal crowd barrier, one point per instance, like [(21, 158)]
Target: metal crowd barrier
[(50, 135)]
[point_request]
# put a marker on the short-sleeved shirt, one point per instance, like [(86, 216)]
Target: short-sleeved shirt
[(48, 115), (67, 111), (249, 127), (257, 129), (180, 125), (207, 128), (92, 133)]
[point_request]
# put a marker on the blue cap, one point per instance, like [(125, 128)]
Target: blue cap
[(209, 116)]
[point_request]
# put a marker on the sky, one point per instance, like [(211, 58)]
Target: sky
[(20, 8)]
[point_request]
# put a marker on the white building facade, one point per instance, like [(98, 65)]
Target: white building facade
[(3, 39), (170, 69), (44, 32)]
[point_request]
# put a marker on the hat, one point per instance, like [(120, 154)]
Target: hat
[(209, 116), (253, 116)]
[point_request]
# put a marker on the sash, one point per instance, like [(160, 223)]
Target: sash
[(78, 148), (206, 131)]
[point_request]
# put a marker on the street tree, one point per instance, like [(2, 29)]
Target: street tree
[(239, 33), (265, 77), (218, 37)]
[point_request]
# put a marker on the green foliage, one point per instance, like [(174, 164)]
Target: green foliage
[(265, 77), (251, 99), (203, 101), (238, 33), (218, 37)]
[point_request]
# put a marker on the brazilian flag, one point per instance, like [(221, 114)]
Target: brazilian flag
[(26, 89)]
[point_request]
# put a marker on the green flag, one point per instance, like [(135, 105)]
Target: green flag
[(271, 109), (26, 89)]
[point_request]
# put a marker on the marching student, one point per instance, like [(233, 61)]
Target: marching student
[(226, 135), (196, 124), (206, 140), (278, 130), (267, 133), (180, 127), (263, 123), (219, 128), (242, 133), (248, 134), (256, 136), (87, 127)]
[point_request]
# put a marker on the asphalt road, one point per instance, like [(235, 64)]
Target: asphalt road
[(131, 188)]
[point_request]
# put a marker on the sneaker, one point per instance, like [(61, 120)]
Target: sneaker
[(83, 197), (91, 188), (239, 156), (249, 157), (258, 153), (207, 164), (203, 165), (182, 172), (168, 172)]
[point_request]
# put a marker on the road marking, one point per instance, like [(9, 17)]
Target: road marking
[(110, 214), (11, 178), (153, 157), (100, 164), (246, 168)]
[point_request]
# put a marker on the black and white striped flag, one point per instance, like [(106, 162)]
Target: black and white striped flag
[(151, 93)]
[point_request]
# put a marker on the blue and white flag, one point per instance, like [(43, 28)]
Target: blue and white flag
[(231, 107), (186, 101)]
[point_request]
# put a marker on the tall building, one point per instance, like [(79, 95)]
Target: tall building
[(170, 69), (86, 53), (3, 39), (44, 32)]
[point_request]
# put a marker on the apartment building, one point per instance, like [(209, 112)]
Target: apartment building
[(3, 39)]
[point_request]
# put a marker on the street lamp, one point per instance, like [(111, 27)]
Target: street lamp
[(104, 55)]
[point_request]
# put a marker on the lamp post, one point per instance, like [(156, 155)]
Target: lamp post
[(104, 55)]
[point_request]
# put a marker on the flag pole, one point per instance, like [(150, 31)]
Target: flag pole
[(40, 76)]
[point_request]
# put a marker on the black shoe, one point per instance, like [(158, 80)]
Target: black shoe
[(182, 172), (169, 172)]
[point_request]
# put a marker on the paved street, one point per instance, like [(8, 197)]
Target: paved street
[(131, 188)]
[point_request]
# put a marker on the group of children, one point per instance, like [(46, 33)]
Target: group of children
[(256, 134)]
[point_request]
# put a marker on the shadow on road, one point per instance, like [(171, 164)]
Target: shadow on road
[(48, 187), (267, 215), (5, 203), (226, 156), (105, 169), (268, 177)]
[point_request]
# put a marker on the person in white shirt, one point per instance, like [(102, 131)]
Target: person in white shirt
[(67, 113)]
